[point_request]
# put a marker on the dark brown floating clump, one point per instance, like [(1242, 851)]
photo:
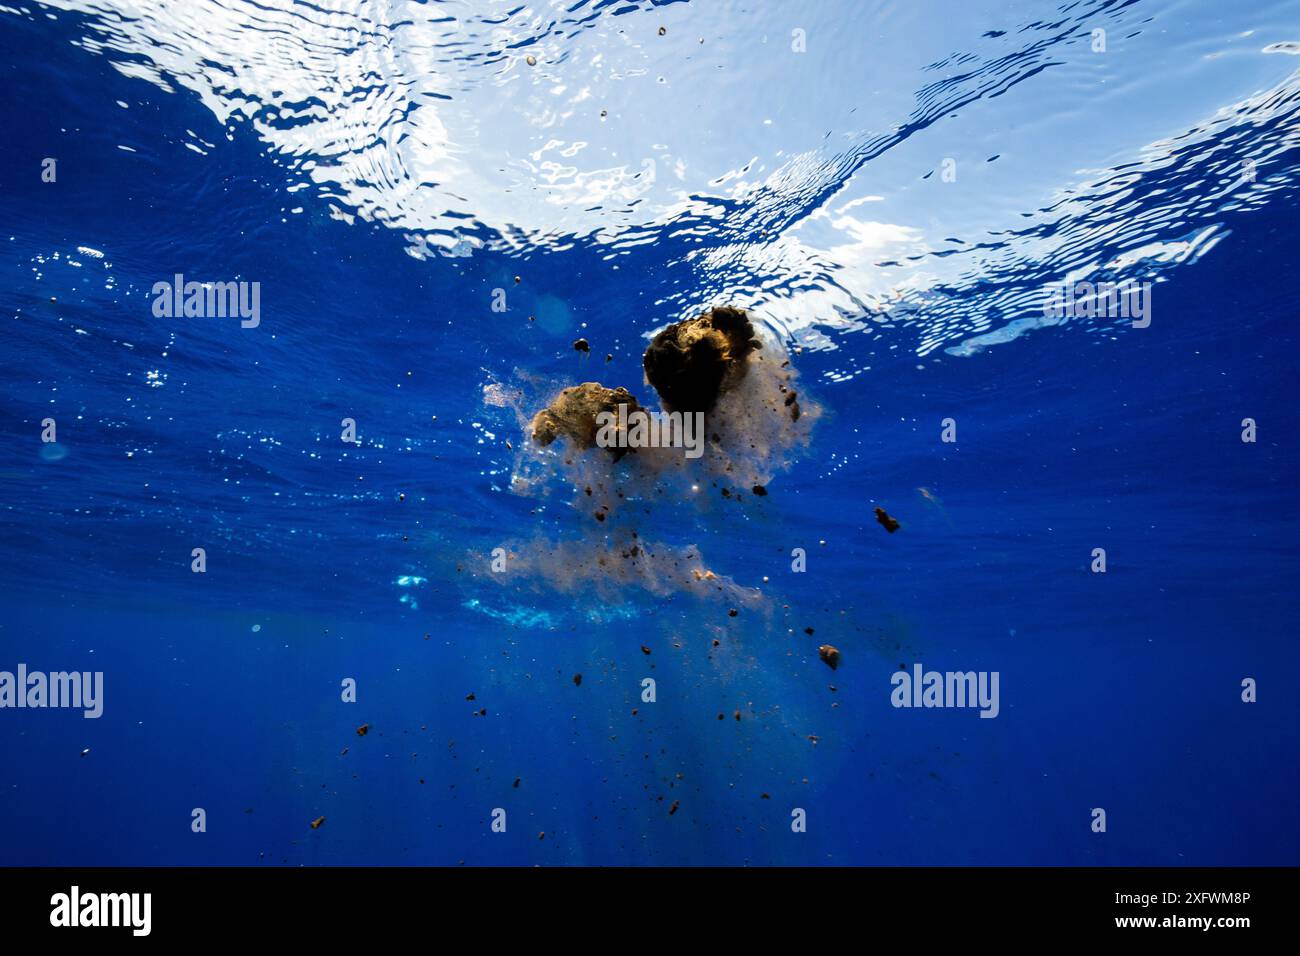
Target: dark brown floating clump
[(760, 491), (888, 523), (316, 824), (363, 730), (830, 655), (577, 680), (644, 649), (517, 779), (573, 415), (693, 362), (673, 808), (581, 345)]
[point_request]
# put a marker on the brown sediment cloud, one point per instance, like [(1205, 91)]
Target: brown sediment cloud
[(754, 420), (613, 568), (737, 386)]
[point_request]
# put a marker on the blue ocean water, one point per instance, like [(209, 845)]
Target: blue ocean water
[(436, 200)]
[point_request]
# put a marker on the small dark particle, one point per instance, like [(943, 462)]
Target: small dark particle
[(401, 496), (469, 696), (517, 279), (577, 680), (483, 712), (789, 399), (542, 835), (363, 730), (736, 715), (249, 810), (344, 752), (716, 642), (794, 412), (807, 630), (732, 613), (766, 796), (517, 779), (673, 808), (316, 824), (663, 30), (722, 716), (608, 357), (644, 649), (760, 491), (888, 523), (582, 345), (600, 516), (830, 655)]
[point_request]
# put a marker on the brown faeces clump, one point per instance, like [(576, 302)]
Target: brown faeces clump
[(887, 522), (693, 362), (573, 413), (316, 824), (830, 655)]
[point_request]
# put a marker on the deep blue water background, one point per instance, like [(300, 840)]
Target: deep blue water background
[(1119, 690)]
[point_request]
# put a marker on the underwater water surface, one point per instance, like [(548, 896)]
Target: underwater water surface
[(436, 201)]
